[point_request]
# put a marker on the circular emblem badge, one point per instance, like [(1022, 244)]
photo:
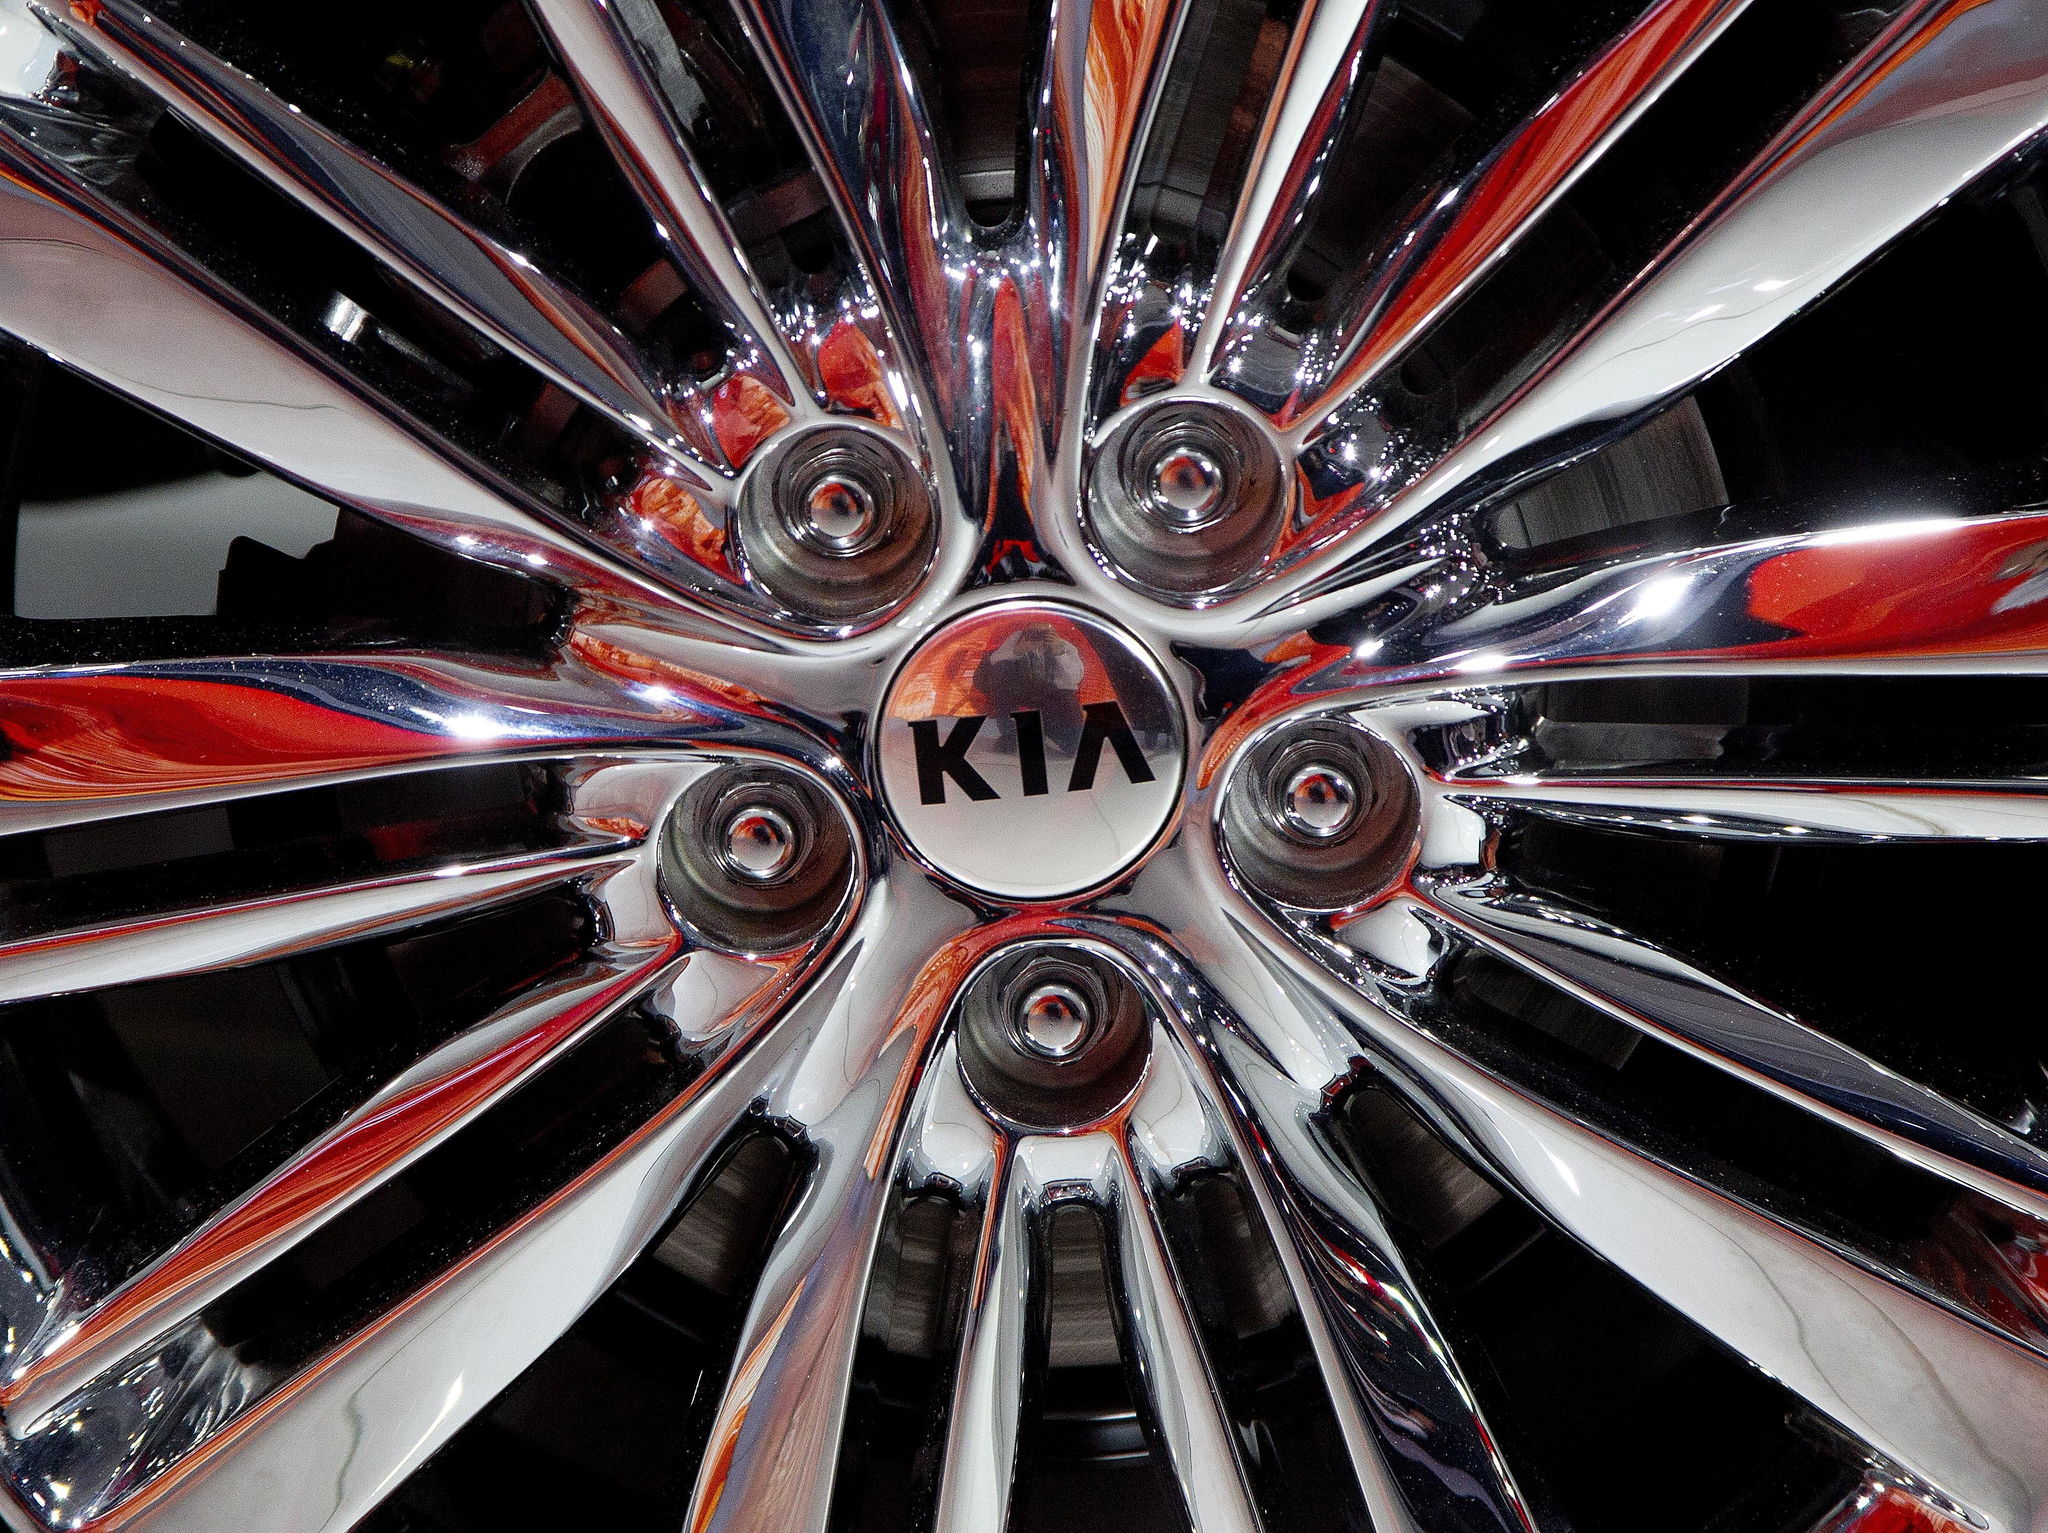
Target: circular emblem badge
[(1030, 750)]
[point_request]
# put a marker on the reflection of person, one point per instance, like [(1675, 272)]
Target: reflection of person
[(1036, 668)]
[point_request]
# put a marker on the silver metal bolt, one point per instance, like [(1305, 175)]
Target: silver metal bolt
[(1319, 802), (840, 513), (1187, 486), (759, 844), (1054, 1020)]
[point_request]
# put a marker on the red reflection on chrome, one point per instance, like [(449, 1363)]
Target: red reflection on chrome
[(1971, 588), (353, 1158), (851, 370), (666, 507), (744, 414), (103, 736), (1887, 1509), (1501, 201)]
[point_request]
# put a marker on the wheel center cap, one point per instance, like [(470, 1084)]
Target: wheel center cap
[(1031, 750)]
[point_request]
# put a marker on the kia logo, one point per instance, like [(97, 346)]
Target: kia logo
[(997, 717), (940, 759)]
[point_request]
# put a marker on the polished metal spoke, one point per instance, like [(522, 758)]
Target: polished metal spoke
[(1939, 97), (95, 742), (1320, 79), (92, 1342), (1915, 596), (1729, 807), (416, 1108), (1105, 63), (950, 1138), (624, 63), (1952, 1403), (1421, 1450), (1170, 1130), (108, 296), (1639, 983), (317, 1453), (159, 945), (479, 274), (86, 1335), (189, 342), (1474, 219), (842, 75), (862, 1053)]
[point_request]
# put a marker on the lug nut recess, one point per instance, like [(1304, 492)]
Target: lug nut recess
[(1187, 496), (756, 859), (1052, 1035), (1321, 815), (835, 521)]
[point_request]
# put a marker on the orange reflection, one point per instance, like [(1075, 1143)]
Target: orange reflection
[(1161, 365), (1893, 1511), (616, 660), (851, 370), (744, 414), (666, 507), (974, 673), (1974, 588), (104, 736)]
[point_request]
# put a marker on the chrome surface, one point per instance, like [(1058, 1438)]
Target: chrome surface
[(760, 843), (1054, 1020), (1319, 801), (1042, 733)]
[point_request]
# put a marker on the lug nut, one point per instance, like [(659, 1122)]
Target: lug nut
[(1187, 486), (1054, 1020), (1320, 801), (1052, 1035), (756, 859), (1187, 496), (1321, 814), (841, 515), (760, 844), (834, 522)]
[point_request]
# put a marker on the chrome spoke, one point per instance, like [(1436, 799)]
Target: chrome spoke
[(183, 346), (262, 931), (1640, 984), (1105, 63), (1420, 1447), (418, 1107), (950, 1137), (1925, 596), (1170, 1130), (92, 743), (1923, 110), (477, 273), (431, 1100), (1930, 105), (84, 1357), (621, 56), (1747, 809), (1938, 1395), (300, 1460), (1944, 1398), (843, 77), (1318, 81), (1475, 220), (863, 1052)]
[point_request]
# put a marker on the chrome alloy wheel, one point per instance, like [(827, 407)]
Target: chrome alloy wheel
[(1282, 804)]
